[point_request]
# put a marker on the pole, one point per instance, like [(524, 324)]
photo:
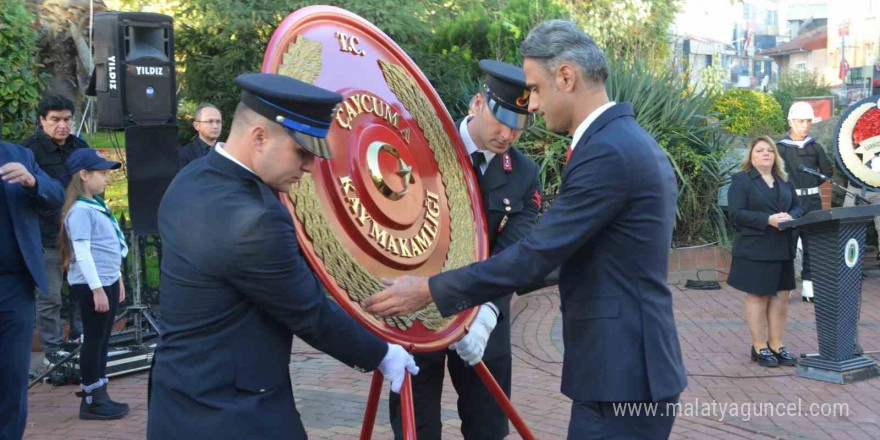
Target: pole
[(407, 411), (503, 401), (136, 282), (372, 406)]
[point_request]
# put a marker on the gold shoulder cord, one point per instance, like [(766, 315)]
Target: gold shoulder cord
[(303, 61)]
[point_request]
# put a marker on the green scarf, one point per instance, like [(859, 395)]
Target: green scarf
[(99, 204)]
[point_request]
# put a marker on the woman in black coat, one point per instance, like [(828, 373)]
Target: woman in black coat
[(761, 197)]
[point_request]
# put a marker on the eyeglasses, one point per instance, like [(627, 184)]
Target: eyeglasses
[(212, 122)]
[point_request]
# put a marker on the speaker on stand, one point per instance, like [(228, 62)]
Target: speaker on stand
[(134, 84)]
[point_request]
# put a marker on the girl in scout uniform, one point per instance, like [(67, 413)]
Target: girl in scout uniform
[(92, 246)]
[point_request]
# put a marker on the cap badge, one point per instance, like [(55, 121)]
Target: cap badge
[(523, 101)]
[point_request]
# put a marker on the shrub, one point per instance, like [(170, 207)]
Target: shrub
[(749, 112), (20, 81), (799, 84)]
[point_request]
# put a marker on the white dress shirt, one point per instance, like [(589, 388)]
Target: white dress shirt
[(219, 147), (471, 146)]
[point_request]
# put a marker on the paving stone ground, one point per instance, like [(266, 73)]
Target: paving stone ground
[(713, 336)]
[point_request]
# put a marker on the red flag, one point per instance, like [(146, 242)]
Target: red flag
[(844, 68)]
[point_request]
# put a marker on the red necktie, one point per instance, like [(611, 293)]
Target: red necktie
[(568, 155)]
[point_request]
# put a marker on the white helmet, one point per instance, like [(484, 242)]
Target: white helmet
[(802, 110)]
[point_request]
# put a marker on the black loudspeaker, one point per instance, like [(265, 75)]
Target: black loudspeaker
[(134, 69), (151, 160)]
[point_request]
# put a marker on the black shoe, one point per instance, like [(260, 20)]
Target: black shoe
[(110, 399), (96, 405), (764, 357), (784, 356)]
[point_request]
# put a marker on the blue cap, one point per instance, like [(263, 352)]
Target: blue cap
[(88, 159), (304, 110)]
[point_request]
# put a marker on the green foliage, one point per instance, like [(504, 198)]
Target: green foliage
[(628, 29), (20, 81), (216, 40), (799, 84), (749, 112), (471, 30)]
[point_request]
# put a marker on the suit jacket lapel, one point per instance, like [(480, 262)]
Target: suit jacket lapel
[(765, 191), (615, 111)]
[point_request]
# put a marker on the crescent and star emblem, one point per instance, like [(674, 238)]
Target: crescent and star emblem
[(404, 170)]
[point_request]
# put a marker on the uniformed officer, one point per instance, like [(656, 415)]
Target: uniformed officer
[(236, 290), (511, 191), (799, 149)]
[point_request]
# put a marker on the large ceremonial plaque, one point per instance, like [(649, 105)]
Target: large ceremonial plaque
[(398, 197), (857, 143)]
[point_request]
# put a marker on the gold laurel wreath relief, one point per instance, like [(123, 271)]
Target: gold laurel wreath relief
[(411, 96), (846, 147), (303, 62)]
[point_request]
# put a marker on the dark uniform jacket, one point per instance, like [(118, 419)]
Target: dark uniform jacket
[(521, 189), (25, 206), (233, 293), (53, 160), (751, 202), (192, 151), (812, 155), (610, 229)]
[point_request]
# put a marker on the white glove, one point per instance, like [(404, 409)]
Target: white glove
[(394, 363), (473, 344)]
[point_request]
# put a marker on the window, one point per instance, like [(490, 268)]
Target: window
[(800, 66)]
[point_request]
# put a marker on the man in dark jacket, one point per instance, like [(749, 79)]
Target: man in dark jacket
[(208, 123), (236, 290), (799, 149), (26, 194), (52, 144), (610, 228), (511, 193)]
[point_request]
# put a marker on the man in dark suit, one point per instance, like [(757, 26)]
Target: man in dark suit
[(26, 192), (511, 193), (236, 290), (208, 123), (52, 144), (610, 228)]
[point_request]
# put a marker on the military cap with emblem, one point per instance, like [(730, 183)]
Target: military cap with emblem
[(303, 109), (506, 94)]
